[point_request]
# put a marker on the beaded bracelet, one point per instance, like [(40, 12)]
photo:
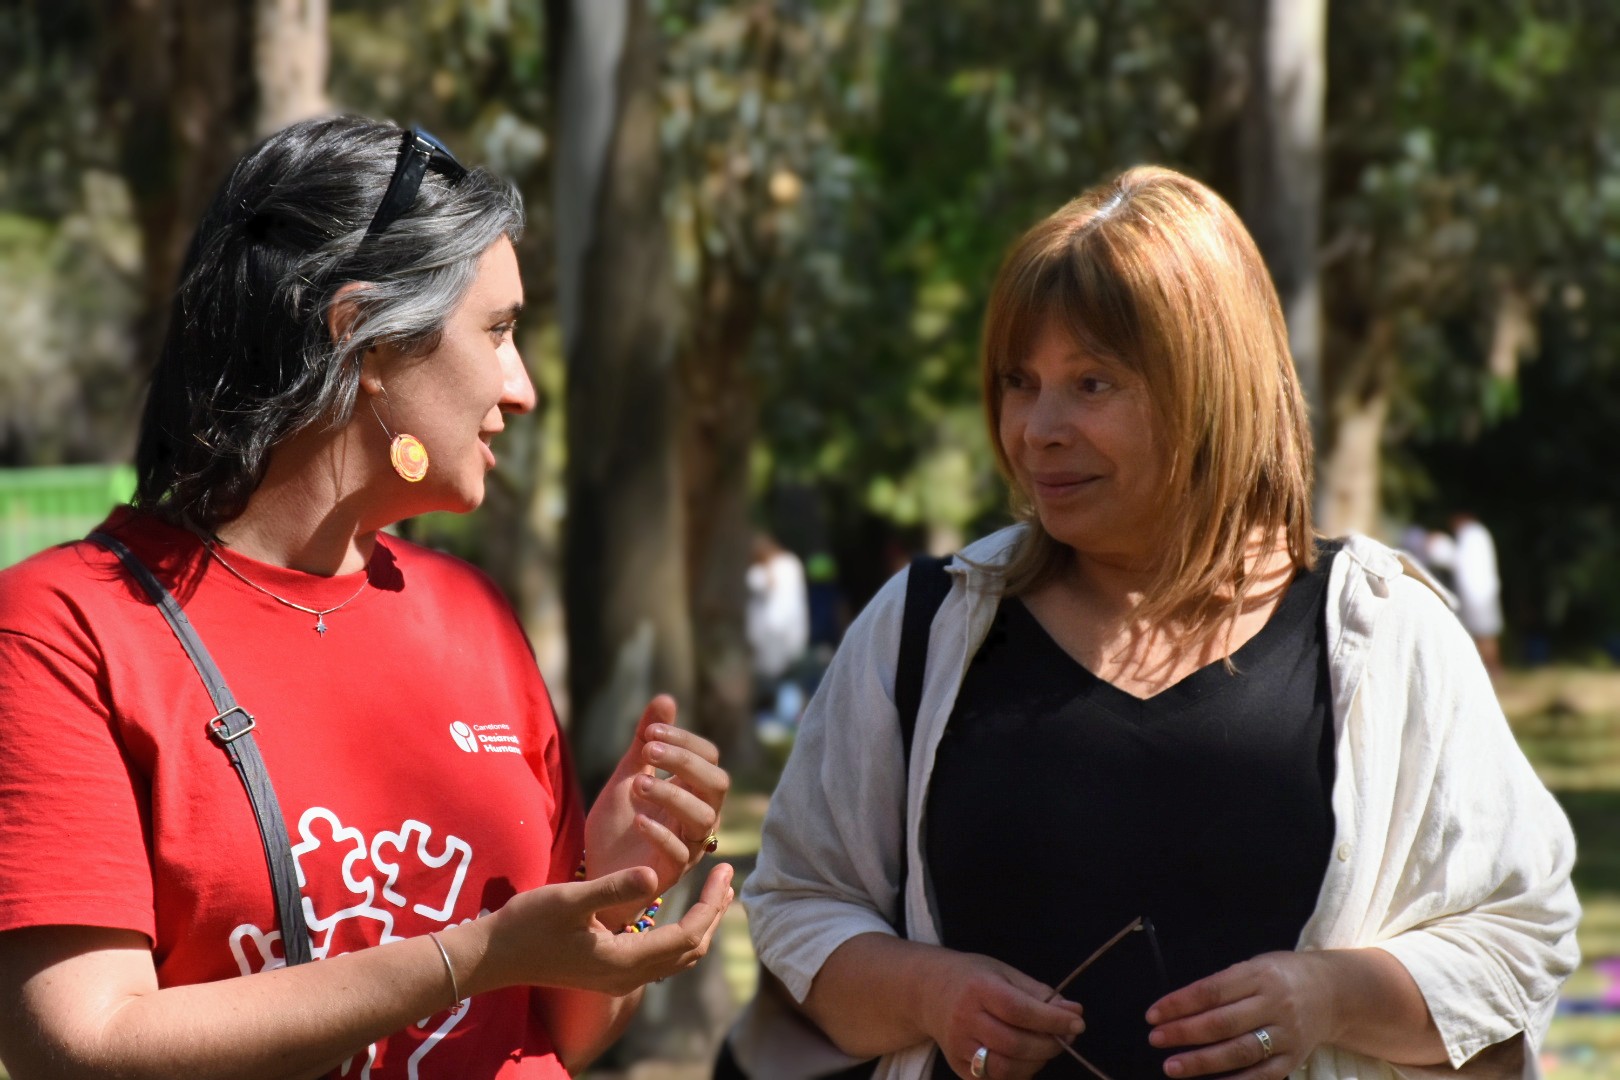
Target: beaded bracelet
[(644, 921)]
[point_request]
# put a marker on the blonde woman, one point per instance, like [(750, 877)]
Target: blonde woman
[(1163, 703)]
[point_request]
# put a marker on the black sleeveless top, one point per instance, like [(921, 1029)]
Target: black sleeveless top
[(1061, 808)]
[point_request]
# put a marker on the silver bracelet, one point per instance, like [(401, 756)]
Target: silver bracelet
[(455, 987)]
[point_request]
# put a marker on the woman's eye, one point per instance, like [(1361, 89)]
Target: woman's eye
[(502, 332), (1013, 380), (1091, 384)]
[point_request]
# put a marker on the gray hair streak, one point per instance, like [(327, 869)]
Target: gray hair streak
[(249, 359)]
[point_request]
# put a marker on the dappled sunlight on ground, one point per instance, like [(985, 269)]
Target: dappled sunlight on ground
[(1568, 721)]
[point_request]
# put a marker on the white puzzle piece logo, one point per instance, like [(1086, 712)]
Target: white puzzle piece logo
[(454, 848), (370, 873)]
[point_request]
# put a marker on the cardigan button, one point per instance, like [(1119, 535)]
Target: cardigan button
[(1344, 852)]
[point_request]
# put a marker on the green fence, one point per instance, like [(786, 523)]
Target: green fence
[(41, 507)]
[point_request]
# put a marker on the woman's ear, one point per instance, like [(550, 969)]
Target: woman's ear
[(341, 316), (370, 374), (344, 310)]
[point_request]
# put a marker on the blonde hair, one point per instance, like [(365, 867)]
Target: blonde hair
[(1154, 271)]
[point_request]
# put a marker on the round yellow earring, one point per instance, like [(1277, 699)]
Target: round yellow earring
[(408, 457)]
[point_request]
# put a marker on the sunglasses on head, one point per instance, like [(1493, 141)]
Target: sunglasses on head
[(417, 154)]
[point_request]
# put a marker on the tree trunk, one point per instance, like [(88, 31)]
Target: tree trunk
[(290, 62), (187, 82), (1349, 489), (625, 589), (1282, 173), (179, 92), (720, 419)]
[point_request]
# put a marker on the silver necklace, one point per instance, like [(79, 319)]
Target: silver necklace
[(320, 616)]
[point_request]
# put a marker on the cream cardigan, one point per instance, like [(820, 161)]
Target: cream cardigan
[(1449, 853)]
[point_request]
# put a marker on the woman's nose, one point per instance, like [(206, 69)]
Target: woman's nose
[(1049, 420), (517, 389)]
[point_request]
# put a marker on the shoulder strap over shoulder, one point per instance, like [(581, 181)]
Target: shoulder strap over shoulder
[(232, 729), (926, 587)]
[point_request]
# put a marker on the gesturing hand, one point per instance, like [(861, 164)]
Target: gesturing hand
[(982, 1002), (643, 820), (1286, 995), (551, 936)]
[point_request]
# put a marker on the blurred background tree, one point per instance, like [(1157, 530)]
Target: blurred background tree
[(761, 295), (1471, 227)]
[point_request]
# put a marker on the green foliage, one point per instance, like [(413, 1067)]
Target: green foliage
[(49, 106), (1471, 159), (474, 70), (1472, 218), (474, 73), (1473, 206), (866, 163), (68, 251), (983, 118), (66, 292)]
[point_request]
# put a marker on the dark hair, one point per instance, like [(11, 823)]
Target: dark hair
[(249, 359)]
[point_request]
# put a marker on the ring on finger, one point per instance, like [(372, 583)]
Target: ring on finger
[(979, 1065), (711, 843), (1266, 1049)]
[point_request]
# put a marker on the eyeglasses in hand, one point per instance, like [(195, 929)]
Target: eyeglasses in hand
[(1140, 924)]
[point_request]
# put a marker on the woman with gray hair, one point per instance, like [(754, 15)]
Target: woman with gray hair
[(339, 357)]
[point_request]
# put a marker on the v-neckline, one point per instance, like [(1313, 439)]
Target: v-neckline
[(1201, 683)]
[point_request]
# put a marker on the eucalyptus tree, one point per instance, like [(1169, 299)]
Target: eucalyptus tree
[(759, 100), (1470, 241)]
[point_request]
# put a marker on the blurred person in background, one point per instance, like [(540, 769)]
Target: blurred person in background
[(1467, 555), (340, 357), (778, 627), (1161, 708)]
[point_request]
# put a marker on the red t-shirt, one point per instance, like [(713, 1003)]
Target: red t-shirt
[(413, 750)]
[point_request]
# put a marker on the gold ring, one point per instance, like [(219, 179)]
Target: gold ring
[(711, 843)]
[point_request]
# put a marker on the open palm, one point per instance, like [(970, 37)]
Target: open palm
[(642, 819)]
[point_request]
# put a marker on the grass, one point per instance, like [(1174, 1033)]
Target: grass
[(1568, 722), (739, 840)]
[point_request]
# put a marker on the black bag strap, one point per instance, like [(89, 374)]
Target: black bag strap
[(926, 587), (232, 729)]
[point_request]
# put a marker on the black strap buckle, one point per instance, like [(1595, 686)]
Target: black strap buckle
[(220, 728)]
